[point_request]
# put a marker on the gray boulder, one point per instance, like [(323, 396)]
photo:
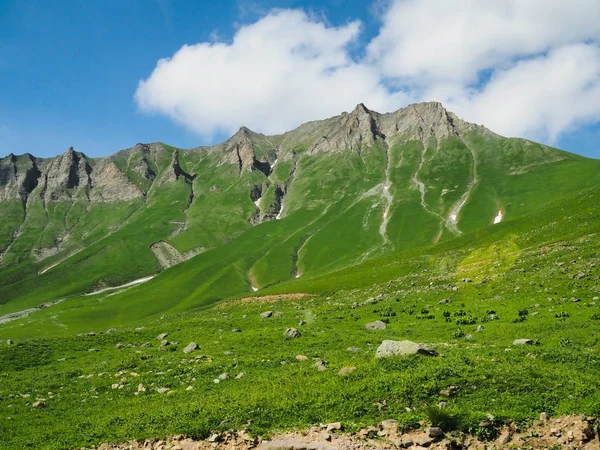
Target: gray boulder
[(161, 336), (266, 314), (191, 347), (377, 325), (292, 333), (401, 348), (522, 342)]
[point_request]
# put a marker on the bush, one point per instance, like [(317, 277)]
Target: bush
[(443, 418)]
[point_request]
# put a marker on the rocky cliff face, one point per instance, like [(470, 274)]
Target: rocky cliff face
[(19, 176)]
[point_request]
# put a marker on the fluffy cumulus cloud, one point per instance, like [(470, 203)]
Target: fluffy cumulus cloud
[(285, 69), (523, 68)]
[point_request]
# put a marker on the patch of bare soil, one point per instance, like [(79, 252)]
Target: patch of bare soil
[(566, 433), (270, 298)]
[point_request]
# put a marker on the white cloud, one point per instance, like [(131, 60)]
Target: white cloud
[(539, 97), (277, 73), (437, 40), (521, 67)]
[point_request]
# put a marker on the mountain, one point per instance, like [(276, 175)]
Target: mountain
[(256, 210)]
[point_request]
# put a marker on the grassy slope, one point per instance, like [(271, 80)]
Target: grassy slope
[(522, 265), (329, 223)]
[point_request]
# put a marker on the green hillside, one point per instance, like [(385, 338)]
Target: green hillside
[(259, 210)]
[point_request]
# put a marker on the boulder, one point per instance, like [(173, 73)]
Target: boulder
[(402, 348), (266, 314), (346, 371), (522, 342), (161, 336), (292, 333), (377, 325), (191, 347)]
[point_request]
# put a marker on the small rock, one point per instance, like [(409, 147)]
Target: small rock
[(164, 343), (189, 388), (334, 426), (302, 322), (346, 371), (161, 336), (479, 328), (224, 376), (191, 347), (147, 344), (162, 390), (10, 341), (214, 438), (240, 375), (111, 330), (301, 357), (522, 342), (377, 325), (292, 333), (353, 349), (435, 432), (141, 388), (401, 348), (544, 417), (38, 404), (236, 330), (326, 436), (266, 314), (504, 437), (120, 346), (93, 350)]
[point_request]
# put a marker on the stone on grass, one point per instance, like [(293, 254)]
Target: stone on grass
[(240, 375), (292, 333), (522, 342), (120, 346), (301, 357), (162, 390), (161, 336), (191, 347), (111, 330), (266, 314), (224, 376), (164, 343), (400, 348), (377, 325), (141, 388), (346, 371), (10, 341), (353, 349)]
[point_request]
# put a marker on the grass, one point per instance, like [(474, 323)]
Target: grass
[(535, 276)]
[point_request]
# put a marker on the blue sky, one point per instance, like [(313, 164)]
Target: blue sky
[(69, 72)]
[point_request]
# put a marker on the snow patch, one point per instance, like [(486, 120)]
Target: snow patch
[(499, 217), (126, 285)]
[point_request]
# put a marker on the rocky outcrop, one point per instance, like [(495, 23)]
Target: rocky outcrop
[(19, 176), (110, 184), (356, 130), (65, 175), (242, 148)]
